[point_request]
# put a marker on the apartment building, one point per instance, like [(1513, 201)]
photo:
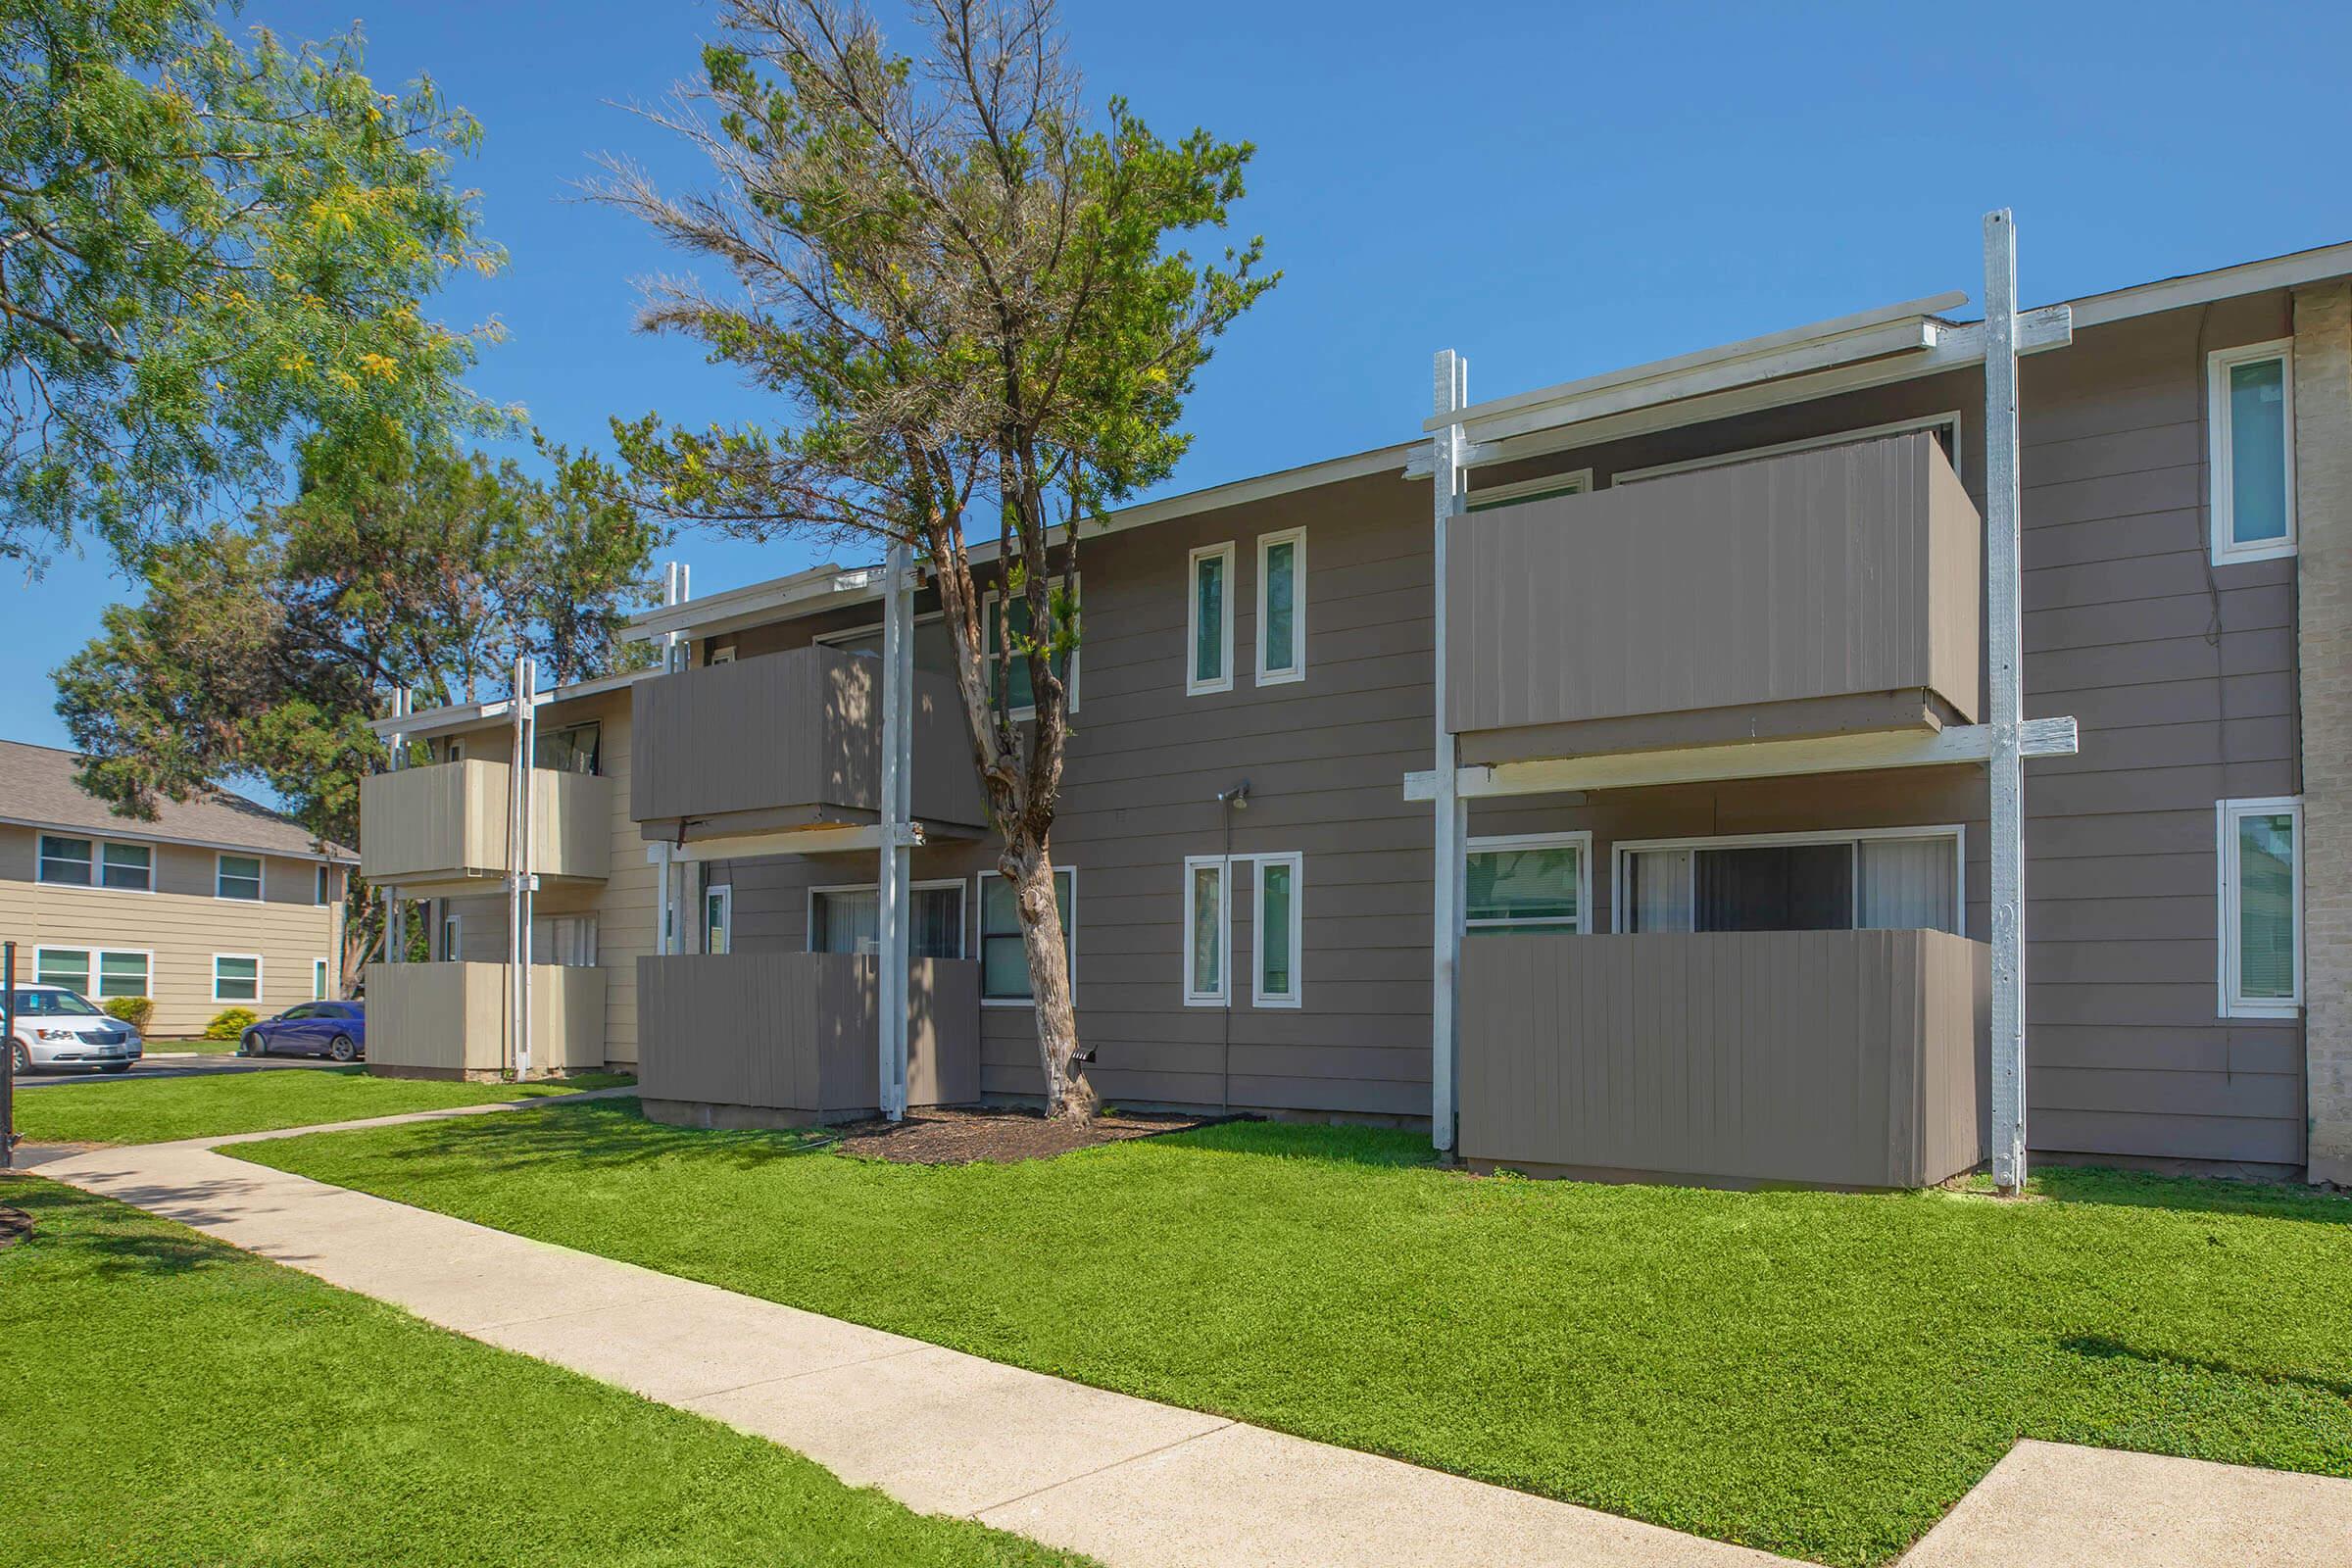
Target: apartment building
[(217, 902), (1719, 694)]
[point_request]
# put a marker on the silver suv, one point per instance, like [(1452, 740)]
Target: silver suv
[(60, 1028)]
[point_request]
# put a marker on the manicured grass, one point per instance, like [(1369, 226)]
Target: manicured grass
[(1818, 1374), (154, 1111), (200, 1045), (173, 1400)]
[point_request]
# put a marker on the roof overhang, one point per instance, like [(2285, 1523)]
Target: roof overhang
[(136, 831), (427, 722)]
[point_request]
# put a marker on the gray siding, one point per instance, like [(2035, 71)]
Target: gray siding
[(1844, 1058), (2180, 674)]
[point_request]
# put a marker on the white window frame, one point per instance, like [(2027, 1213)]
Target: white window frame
[(98, 957), (1295, 538), (1194, 995), (963, 948), (1193, 685), (321, 887), (1955, 831), (1581, 842), (2225, 889), (261, 879), (260, 978), (453, 937), (977, 933), (40, 862), (1295, 997), (318, 979), (722, 894), (1948, 421), (90, 965), (723, 656), (988, 616), (103, 886), (2220, 457), (1575, 482)]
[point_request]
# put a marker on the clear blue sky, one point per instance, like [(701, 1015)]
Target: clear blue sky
[(1553, 189)]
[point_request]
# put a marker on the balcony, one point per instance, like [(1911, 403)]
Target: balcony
[(439, 831), (790, 1039), (1842, 1058), (449, 1020), (1829, 592), (790, 742)]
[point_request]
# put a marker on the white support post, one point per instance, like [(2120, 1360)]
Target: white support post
[(898, 712), (1450, 383), (669, 915), (396, 918), (521, 881), (2003, 666)]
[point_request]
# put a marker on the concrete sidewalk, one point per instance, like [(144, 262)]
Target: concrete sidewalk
[(1135, 1483)]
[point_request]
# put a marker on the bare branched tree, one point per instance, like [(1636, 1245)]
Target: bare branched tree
[(966, 291)]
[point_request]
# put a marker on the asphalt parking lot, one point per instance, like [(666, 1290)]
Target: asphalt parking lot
[(159, 1065)]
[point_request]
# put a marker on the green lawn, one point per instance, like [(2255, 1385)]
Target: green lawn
[(199, 1045), (173, 1400), (154, 1111), (1818, 1374)]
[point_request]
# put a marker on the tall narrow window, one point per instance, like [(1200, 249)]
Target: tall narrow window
[(2250, 456), (129, 867), (453, 938), (65, 861), (1022, 701), (1003, 961), (318, 979), (1534, 882), (237, 977), (1208, 621), (324, 886), (719, 920), (238, 876), (1275, 984), (2260, 899), (1207, 934), (1282, 607)]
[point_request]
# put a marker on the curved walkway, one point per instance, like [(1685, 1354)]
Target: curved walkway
[(1132, 1483)]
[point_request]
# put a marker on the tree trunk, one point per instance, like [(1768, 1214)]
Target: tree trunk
[(1068, 1094)]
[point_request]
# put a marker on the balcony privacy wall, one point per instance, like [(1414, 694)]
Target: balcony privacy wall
[(792, 739), (1828, 577), (449, 1020), (425, 828), (1846, 1058), (752, 1039)]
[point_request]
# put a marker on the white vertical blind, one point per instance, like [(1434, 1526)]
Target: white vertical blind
[(1906, 884), (1661, 900)]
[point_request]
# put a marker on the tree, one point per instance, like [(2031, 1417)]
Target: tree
[(208, 253), (967, 293), (260, 650)]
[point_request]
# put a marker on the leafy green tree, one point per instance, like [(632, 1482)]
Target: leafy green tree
[(260, 650), (209, 252), (966, 292)]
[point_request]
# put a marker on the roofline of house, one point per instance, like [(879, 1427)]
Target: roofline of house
[(140, 832), (1796, 365)]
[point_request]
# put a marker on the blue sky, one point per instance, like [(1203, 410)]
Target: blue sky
[(1553, 189)]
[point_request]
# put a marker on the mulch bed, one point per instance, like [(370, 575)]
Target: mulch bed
[(14, 1225), (996, 1137)]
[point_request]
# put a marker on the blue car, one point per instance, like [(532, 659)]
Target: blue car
[(336, 1029)]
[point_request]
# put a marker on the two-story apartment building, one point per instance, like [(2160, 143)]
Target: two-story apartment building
[(217, 902), (1720, 690)]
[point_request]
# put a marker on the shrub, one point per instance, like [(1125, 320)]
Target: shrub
[(229, 1023), (133, 1010)]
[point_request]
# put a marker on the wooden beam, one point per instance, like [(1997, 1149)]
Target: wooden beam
[(1701, 765)]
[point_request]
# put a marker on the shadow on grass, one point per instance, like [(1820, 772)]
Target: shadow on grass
[(1390, 1148), (2099, 1347), (594, 1134), (67, 1219), (2196, 1194)]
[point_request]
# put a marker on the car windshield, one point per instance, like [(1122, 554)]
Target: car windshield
[(51, 1004)]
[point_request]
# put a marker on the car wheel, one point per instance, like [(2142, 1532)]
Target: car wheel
[(255, 1043), (21, 1058), (343, 1049)]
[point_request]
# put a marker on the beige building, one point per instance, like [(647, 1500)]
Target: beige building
[(219, 903), (1715, 650)]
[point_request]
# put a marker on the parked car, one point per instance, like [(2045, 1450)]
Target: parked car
[(61, 1028), (337, 1029)]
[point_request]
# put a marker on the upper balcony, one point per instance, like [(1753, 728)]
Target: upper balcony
[(1827, 592), (788, 742), (442, 830)]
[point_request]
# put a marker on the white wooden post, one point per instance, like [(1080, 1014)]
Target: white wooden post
[(2003, 667), (668, 916), (898, 712), (1450, 390), (396, 918)]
